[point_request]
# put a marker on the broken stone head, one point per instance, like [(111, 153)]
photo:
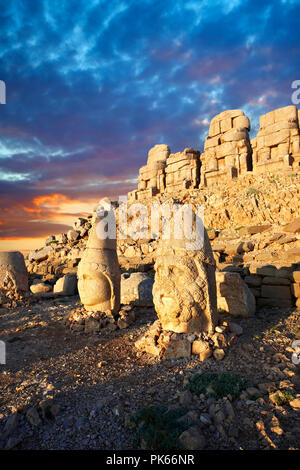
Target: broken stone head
[(184, 290), (99, 275)]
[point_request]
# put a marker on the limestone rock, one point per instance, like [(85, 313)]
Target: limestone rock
[(40, 255), (136, 288), (73, 235), (99, 275), (293, 227), (149, 341), (184, 290), (219, 354), (66, 285), (178, 347), (39, 287), (202, 349), (233, 295), (192, 439)]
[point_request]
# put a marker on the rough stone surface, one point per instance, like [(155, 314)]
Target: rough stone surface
[(66, 285), (136, 288), (233, 295), (184, 290), (99, 275), (13, 272)]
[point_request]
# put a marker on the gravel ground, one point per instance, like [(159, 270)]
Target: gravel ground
[(64, 390)]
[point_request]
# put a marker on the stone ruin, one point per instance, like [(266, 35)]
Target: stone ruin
[(228, 154), (227, 149), (277, 144), (183, 170)]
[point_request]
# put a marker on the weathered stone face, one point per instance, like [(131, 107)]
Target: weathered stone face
[(184, 290), (99, 273), (13, 272)]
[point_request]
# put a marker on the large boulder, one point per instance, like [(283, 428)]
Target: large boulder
[(66, 285), (40, 255), (233, 295), (136, 288), (39, 287)]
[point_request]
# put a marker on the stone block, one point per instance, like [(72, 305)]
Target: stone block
[(211, 142), (276, 281), (277, 138), (234, 135), (253, 280), (214, 128), (226, 124), (136, 288), (267, 119), (293, 227), (288, 113), (276, 292), (274, 302), (233, 294), (241, 122), (296, 276), (296, 290), (158, 153)]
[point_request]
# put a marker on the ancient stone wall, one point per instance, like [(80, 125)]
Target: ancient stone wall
[(227, 149), (228, 154), (277, 144), (183, 170)]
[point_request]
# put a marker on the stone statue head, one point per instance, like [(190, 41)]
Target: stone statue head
[(184, 290), (98, 271)]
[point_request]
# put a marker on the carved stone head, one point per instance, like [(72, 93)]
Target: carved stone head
[(184, 290), (98, 271)]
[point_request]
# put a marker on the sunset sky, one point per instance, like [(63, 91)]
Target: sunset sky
[(93, 85)]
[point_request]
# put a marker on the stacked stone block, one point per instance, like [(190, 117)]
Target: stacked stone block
[(227, 150), (152, 175), (277, 144), (183, 170)]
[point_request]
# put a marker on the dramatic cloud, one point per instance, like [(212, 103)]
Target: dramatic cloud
[(91, 86)]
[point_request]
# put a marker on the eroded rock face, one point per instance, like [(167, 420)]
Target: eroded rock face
[(13, 272), (98, 271), (184, 290), (234, 296), (136, 288)]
